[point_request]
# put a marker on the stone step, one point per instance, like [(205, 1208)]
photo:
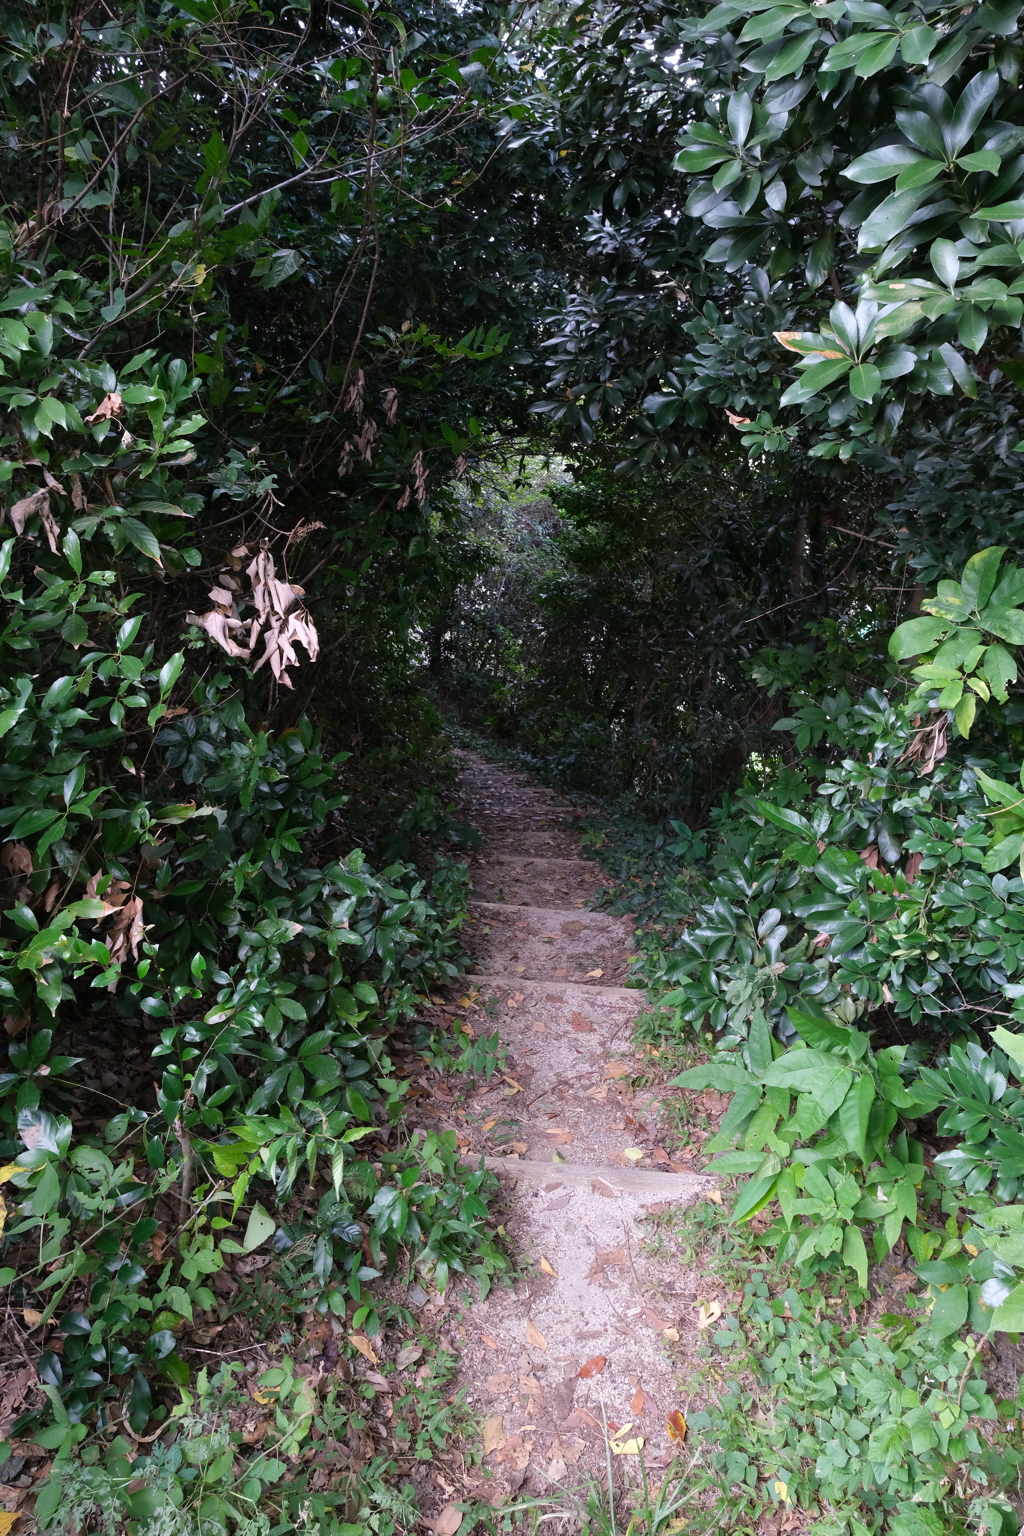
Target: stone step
[(570, 914), (681, 1188), (520, 983)]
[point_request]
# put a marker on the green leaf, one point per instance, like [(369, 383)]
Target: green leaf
[(260, 1227), (915, 637), (999, 670), (964, 714), (1007, 623), (882, 164), (865, 381), (142, 537), (855, 1254), (817, 377), (877, 57), (973, 327), (140, 1405), (854, 1113), (1005, 852), (1003, 212), (754, 1196), (890, 218), (980, 575), (949, 1312), (783, 817), (808, 1071), (1012, 1044), (1008, 1317)]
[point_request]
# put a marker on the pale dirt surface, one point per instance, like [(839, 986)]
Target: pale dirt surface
[(550, 976)]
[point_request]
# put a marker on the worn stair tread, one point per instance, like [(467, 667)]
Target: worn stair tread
[(612, 994), (628, 1181), (570, 914), (510, 858)]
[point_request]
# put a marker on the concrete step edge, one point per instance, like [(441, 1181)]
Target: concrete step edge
[(574, 914)]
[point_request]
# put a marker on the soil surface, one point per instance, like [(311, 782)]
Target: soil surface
[(597, 1332)]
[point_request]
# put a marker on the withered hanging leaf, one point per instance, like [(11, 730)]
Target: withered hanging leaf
[(29, 506), (110, 406)]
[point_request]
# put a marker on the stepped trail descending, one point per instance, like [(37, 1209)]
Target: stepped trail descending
[(551, 972)]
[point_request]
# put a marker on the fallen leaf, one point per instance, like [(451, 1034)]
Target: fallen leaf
[(361, 1342), (516, 1087), (643, 1404), (534, 1336), (676, 1426), (498, 1384), (559, 1204), (582, 1025), (31, 1316), (489, 1125), (715, 1195), (546, 1267), (602, 1187), (659, 1324), (671, 1333), (408, 1355), (709, 1313), (494, 1435), (448, 1521), (621, 1447), (600, 1092), (377, 1380), (593, 1367), (520, 1146), (7, 1519), (559, 1138), (615, 1069), (633, 1153), (582, 1418), (540, 1028), (602, 1260), (556, 1469), (486, 1339)]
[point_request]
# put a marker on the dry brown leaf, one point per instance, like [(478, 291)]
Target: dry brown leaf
[(498, 1384), (110, 406), (447, 1522), (35, 505), (558, 1138), (602, 1187), (31, 1316), (15, 859), (676, 1426), (408, 1355), (545, 1265), (590, 974), (605, 1257), (582, 1025), (361, 1342), (600, 1093), (494, 1434), (615, 1069), (643, 1404), (593, 1367), (715, 1195), (486, 1339), (534, 1336)]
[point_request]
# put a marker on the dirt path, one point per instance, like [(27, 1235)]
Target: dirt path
[(575, 1158)]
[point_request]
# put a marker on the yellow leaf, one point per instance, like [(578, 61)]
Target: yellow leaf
[(361, 1342), (9, 1171), (633, 1153), (534, 1336), (7, 1519), (715, 1195), (490, 1124), (546, 1267), (516, 1087), (621, 1447), (265, 1395), (971, 1250), (31, 1316), (709, 1313), (782, 1491), (676, 1426)]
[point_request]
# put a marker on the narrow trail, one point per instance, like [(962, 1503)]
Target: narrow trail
[(578, 1180)]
